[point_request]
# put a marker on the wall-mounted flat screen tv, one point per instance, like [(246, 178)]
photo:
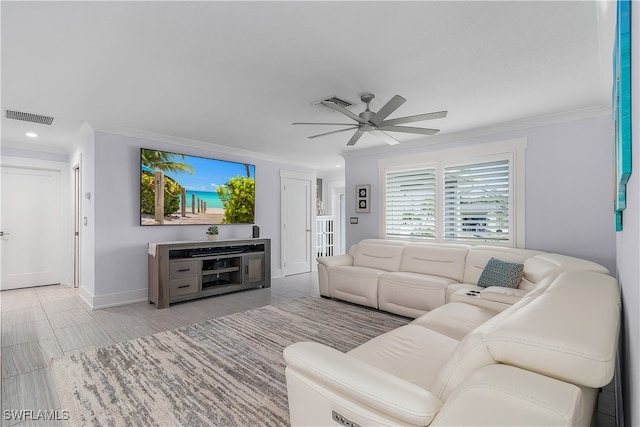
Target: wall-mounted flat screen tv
[(177, 189)]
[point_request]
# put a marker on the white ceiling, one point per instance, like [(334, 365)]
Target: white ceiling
[(238, 73)]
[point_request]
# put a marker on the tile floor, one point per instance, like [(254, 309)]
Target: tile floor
[(42, 323)]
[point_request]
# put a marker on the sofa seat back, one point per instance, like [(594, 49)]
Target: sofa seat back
[(411, 294), (478, 257), (546, 264), (580, 348), (435, 259), (378, 255)]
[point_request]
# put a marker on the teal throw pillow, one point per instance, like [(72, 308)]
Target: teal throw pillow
[(501, 273)]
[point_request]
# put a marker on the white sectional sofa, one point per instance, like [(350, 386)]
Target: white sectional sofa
[(411, 279), (537, 357)]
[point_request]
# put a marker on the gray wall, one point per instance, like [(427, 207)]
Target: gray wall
[(121, 243), (568, 188)]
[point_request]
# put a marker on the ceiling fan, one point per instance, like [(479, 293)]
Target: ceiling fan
[(375, 123)]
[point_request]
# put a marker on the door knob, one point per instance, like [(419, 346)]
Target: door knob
[(2, 233)]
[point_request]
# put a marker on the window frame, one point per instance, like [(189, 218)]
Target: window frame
[(511, 150)]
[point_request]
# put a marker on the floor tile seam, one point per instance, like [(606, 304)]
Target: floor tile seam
[(54, 330), (2, 345), (3, 310)]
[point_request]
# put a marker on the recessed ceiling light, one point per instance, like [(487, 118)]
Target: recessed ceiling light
[(31, 134)]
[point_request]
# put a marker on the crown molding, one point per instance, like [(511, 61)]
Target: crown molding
[(192, 143)]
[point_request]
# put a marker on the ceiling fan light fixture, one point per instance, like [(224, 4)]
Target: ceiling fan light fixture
[(376, 123)]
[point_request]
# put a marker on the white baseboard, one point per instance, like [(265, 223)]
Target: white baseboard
[(129, 297), (112, 300)]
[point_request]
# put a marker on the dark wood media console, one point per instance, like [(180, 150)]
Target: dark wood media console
[(180, 271)]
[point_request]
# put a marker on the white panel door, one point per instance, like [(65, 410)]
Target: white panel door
[(31, 228), (296, 225)]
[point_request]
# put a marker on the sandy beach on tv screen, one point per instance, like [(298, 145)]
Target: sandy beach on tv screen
[(211, 216)]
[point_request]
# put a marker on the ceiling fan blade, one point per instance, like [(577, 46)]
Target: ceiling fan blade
[(356, 136), (332, 124), (384, 137), (409, 129), (417, 118), (387, 109), (344, 111), (335, 131)]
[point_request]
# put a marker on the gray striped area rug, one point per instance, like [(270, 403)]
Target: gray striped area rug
[(227, 371)]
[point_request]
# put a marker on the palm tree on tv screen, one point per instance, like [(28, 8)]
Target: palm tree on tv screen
[(163, 161)]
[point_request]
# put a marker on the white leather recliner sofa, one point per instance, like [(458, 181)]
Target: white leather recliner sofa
[(410, 278), (537, 362)]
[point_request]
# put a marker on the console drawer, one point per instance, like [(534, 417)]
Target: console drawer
[(183, 269), (183, 286)]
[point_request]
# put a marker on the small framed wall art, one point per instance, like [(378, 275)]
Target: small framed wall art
[(363, 198)]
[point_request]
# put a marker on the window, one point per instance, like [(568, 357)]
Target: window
[(468, 196), (476, 202), (411, 204)]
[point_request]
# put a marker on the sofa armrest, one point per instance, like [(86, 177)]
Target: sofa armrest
[(502, 294), (363, 383), (335, 260), (327, 263), (505, 395)]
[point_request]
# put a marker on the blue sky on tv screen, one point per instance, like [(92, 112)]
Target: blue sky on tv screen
[(209, 173)]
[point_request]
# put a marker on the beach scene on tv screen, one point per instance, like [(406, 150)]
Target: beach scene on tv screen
[(196, 190)]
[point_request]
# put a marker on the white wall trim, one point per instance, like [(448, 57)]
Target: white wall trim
[(112, 300)]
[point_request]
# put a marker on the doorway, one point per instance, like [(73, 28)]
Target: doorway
[(297, 228), (31, 233), (77, 200)]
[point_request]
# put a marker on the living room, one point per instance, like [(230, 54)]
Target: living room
[(567, 160)]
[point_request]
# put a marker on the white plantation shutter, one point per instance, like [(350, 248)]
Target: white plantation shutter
[(476, 203), (472, 195), (411, 204)]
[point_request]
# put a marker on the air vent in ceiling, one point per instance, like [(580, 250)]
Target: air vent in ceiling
[(29, 117), (335, 100), (338, 101)]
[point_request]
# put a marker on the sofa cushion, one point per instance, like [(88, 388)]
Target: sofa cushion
[(569, 332), (413, 353), (501, 273), (455, 319), (411, 294), (379, 256), (435, 259)]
